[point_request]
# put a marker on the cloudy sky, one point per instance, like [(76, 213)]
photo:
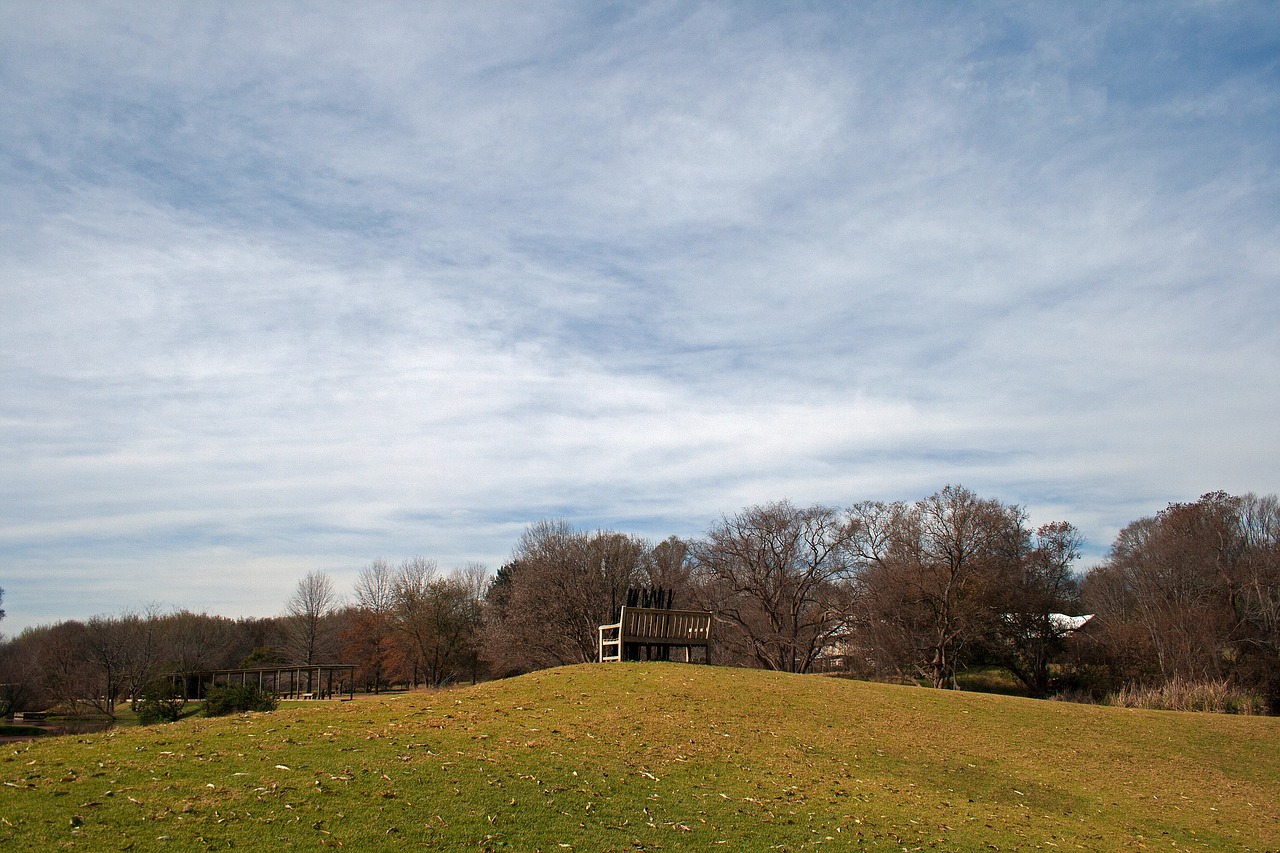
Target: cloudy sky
[(294, 286)]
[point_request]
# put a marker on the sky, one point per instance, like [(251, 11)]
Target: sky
[(294, 286)]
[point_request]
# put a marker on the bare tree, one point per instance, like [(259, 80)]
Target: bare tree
[(1028, 638), (476, 577), (309, 607), (1172, 572), (670, 567), (779, 580), (473, 580), (412, 585), (195, 643), (546, 605), (439, 616), (141, 650), (103, 648), (1194, 593), (883, 542), (455, 614), (370, 637), (1257, 595), (20, 677), (69, 675), (930, 575)]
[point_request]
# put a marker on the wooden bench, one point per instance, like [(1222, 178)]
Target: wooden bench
[(643, 633)]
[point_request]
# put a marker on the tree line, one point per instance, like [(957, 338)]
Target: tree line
[(1192, 594), (921, 590), (892, 590), (409, 625), (916, 591)]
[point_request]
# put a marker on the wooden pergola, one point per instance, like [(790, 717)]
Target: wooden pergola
[(317, 681)]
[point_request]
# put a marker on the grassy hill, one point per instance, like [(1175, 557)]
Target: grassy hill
[(658, 756)]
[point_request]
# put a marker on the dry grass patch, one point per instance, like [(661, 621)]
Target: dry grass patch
[(1215, 697)]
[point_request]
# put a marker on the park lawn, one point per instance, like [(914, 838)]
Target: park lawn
[(657, 756)]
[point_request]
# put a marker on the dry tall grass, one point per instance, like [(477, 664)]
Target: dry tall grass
[(1213, 696)]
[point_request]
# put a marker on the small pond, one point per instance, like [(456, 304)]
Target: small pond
[(13, 730)]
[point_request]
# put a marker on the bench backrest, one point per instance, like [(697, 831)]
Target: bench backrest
[(639, 624)]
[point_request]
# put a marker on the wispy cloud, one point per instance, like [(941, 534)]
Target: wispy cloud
[(287, 288)]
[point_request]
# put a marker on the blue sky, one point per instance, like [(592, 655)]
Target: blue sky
[(296, 286)]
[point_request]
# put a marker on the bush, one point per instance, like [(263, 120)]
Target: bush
[(220, 700), (161, 703)]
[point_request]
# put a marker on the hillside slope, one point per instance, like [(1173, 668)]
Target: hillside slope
[(658, 756)]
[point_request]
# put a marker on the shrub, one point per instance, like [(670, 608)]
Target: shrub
[(161, 703), (224, 699)]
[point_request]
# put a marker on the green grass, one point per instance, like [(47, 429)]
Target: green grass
[(657, 756)]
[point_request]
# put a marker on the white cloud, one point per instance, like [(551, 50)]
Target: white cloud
[(289, 289)]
